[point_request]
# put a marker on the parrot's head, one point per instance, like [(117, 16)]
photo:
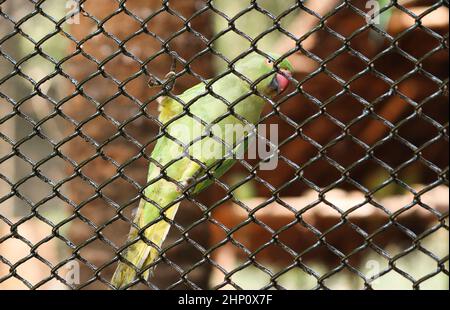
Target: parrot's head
[(273, 75)]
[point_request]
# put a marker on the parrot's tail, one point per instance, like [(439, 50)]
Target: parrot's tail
[(141, 254)]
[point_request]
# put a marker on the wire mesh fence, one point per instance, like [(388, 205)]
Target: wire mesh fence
[(357, 197)]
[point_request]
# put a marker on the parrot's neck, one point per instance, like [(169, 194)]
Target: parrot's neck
[(251, 107)]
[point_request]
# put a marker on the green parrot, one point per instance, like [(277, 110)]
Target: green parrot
[(192, 146)]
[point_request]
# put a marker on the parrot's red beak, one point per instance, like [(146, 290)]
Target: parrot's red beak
[(281, 81)]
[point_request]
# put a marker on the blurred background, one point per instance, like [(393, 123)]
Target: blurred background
[(360, 196)]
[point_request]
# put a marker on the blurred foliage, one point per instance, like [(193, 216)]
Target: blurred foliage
[(37, 28), (416, 264)]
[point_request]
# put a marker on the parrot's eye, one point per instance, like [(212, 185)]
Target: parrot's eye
[(269, 62)]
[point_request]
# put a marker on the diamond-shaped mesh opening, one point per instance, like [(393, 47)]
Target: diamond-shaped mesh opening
[(101, 121)]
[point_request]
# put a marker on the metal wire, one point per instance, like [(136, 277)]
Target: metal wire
[(14, 145)]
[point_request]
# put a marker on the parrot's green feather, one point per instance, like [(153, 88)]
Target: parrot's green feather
[(171, 171), (222, 168)]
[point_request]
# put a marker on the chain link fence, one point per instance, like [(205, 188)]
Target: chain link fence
[(359, 195)]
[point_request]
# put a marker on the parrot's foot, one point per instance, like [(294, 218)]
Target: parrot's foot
[(169, 82), (152, 82)]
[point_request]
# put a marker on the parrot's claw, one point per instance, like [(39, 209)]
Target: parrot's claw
[(170, 76), (152, 82), (169, 82)]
